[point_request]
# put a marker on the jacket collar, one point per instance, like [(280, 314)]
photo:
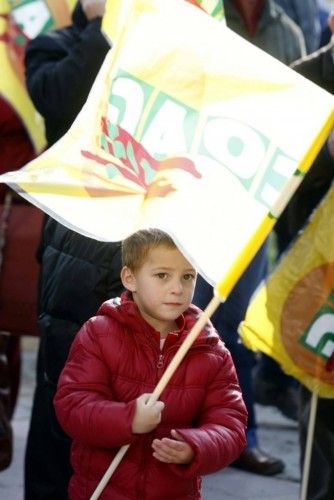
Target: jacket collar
[(126, 312), (270, 11)]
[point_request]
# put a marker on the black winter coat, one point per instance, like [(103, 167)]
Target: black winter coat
[(77, 273)]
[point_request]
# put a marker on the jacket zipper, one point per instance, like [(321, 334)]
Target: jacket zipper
[(162, 357), (160, 365)]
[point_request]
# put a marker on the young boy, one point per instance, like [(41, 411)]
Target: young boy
[(115, 362)]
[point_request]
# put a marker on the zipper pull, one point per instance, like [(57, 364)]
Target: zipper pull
[(160, 361)]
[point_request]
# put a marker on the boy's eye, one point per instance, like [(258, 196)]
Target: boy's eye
[(189, 277), (162, 275)]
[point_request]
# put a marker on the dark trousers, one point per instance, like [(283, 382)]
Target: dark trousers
[(321, 476), (270, 371), (47, 459)]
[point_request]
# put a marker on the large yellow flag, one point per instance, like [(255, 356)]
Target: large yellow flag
[(188, 128), (20, 21), (291, 318)]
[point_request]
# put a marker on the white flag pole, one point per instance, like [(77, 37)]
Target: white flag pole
[(308, 448)]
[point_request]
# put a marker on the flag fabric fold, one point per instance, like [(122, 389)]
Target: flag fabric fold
[(188, 128), (291, 317)]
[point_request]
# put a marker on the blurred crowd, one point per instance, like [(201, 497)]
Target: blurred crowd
[(299, 33)]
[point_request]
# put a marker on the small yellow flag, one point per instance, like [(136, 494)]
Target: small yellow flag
[(291, 318)]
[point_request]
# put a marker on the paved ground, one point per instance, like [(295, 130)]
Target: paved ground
[(277, 436)]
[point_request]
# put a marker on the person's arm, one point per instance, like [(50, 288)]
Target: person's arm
[(219, 437), (61, 68), (84, 401), (307, 18)]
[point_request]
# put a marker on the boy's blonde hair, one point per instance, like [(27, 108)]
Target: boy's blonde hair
[(136, 247)]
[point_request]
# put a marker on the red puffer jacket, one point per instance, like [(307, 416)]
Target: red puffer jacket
[(114, 359)]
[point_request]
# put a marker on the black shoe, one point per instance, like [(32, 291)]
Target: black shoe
[(6, 440), (268, 394), (259, 462)]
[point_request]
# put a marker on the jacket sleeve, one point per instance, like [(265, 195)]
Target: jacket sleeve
[(61, 67), (308, 20), (220, 436), (84, 402)]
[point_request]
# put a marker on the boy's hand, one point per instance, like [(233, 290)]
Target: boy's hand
[(93, 8), (173, 451), (147, 417)]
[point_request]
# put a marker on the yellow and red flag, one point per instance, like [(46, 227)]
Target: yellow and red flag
[(291, 318), (189, 128), (20, 21)]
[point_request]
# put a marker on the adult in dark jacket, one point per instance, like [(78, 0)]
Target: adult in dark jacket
[(318, 67), (264, 24), (77, 273)]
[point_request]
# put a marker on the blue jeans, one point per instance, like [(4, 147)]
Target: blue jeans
[(226, 320)]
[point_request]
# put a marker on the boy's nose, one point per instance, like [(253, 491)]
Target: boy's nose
[(177, 287)]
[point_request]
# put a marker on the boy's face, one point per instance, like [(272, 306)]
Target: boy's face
[(162, 287)]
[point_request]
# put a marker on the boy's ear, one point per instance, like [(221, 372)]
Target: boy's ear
[(128, 279)]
